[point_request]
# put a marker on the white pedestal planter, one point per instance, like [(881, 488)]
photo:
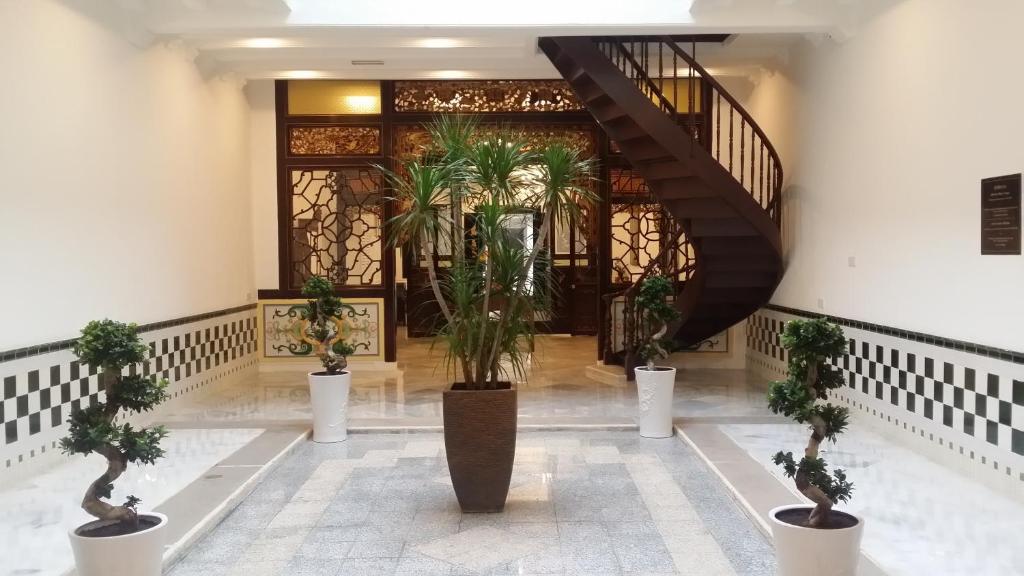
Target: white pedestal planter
[(329, 396), (138, 554), (804, 551), (654, 390)]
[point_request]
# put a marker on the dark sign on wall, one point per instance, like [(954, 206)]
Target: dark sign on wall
[(1000, 215)]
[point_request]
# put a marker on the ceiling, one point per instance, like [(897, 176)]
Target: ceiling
[(457, 38)]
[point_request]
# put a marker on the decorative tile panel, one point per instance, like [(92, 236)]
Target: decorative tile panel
[(967, 403), (283, 330), (485, 96), (334, 141), (41, 391)]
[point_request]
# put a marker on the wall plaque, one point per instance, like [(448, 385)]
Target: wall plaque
[(1000, 215)]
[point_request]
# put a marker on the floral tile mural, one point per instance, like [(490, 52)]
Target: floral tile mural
[(284, 328)]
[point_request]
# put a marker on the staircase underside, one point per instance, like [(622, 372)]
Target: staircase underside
[(736, 241)]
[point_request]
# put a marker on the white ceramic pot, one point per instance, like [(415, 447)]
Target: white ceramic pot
[(804, 551), (654, 391), (138, 554), (329, 396)]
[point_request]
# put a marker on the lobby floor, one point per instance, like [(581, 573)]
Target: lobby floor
[(589, 496), (599, 503), (557, 392)]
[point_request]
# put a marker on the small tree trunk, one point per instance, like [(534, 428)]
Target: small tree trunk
[(822, 503), (116, 464)]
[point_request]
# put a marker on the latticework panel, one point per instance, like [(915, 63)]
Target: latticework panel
[(641, 230), (485, 96), (333, 141), (337, 218), (412, 141)]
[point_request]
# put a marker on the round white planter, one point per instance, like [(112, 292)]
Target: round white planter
[(138, 554), (654, 391), (804, 551), (329, 396)]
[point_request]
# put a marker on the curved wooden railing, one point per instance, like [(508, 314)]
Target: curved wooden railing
[(714, 119)]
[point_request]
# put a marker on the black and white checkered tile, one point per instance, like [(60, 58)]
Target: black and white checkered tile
[(967, 403), (41, 391)]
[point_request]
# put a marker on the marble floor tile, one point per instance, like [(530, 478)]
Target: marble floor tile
[(415, 527), (902, 495)]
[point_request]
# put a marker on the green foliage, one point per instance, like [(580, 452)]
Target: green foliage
[(489, 296), (138, 393), (110, 344), (810, 344), (323, 311), (835, 485), (89, 429), (141, 446), (654, 313), (113, 346)]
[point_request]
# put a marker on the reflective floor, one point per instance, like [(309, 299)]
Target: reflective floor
[(594, 503), (587, 501), (38, 513), (557, 391), (921, 518)]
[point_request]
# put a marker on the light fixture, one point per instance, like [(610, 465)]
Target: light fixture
[(439, 43), (367, 62), (302, 74), (450, 74), (358, 104), (265, 43)]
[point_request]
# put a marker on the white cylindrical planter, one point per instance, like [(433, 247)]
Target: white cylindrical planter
[(328, 393), (802, 551), (138, 554), (654, 391)]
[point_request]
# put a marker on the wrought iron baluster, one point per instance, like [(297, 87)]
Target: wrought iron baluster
[(660, 68), (760, 177), (743, 141), (675, 86), (752, 161), (690, 106), (732, 114), (718, 127)]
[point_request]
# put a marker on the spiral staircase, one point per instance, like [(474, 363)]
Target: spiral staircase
[(704, 159)]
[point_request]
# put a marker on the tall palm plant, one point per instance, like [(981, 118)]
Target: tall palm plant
[(489, 298)]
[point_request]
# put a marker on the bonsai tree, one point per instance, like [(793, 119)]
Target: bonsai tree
[(323, 311), (492, 293), (111, 346), (810, 344), (654, 315)]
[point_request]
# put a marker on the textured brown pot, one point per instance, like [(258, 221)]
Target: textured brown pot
[(480, 442)]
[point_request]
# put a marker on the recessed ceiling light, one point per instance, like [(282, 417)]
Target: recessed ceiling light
[(367, 62), (439, 43), (302, 74), (450, 74), (265, 43)]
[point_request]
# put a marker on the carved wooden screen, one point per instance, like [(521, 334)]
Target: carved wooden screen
[(640, 228), (336, 223)]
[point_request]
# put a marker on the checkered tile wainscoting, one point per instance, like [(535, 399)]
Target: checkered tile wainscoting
[(40, 391), (968, 403)]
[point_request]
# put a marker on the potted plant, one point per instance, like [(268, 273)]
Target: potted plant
[(328, 388), (654, 384), (494, 286), (121, 541), (814, 540)]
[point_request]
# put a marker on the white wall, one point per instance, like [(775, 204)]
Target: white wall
[(263, 178), (125, 179), (896, 127)]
